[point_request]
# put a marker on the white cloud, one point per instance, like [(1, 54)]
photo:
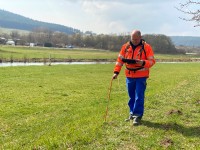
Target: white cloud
[(107, 16)]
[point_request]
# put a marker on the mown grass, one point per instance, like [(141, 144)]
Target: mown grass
[(28, 54), (63, 106), (8, 52)]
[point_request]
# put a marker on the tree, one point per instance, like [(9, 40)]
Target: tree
[(161, 43), (14, 35), (191, 7), (59, 39)]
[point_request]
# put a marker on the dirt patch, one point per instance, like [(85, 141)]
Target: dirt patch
[(174, 112), (167, 126), (198, 102), (166, 142)]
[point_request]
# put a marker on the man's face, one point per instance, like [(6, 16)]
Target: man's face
[(135, 39)]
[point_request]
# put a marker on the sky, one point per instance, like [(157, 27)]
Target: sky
[(109, 16)]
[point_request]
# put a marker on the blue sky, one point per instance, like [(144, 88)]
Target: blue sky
[(108, 16)]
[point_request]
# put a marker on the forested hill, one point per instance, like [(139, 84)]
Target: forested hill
[(186, 41), (15, 21)]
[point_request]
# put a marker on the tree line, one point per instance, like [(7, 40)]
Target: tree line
[(44, 37)]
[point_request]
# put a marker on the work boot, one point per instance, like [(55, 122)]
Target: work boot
[(131, 117), (136, 120)]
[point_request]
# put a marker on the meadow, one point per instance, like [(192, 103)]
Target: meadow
[(41, 54), (63, 107), (18, 53)]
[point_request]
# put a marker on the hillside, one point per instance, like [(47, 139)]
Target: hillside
[(15, 21), (186, 41)]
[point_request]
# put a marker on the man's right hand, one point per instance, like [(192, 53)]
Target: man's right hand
[(115, 76)]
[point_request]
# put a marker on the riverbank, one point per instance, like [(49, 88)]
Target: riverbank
[(47, 60)]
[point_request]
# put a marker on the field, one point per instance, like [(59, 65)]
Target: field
[(41, 54), (63, 107)]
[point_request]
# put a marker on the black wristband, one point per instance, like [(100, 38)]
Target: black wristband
[(116, 72), (143, 63)]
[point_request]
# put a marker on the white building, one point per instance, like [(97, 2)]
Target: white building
[(10, 42)]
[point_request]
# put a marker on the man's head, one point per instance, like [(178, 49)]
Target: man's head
[(136, 37)]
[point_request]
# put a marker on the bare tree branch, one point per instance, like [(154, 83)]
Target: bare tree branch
[(184, 7)]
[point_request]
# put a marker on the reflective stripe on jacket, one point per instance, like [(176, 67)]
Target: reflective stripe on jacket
[(128, 52)]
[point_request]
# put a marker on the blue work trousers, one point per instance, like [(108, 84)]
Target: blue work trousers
[(136, 90)]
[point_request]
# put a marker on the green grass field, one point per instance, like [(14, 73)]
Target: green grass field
[(30, 54), (20, 53), (63, 107)]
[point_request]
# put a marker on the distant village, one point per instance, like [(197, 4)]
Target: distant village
[(46, 38)]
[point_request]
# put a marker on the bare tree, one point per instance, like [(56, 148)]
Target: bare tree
[(191, 7), (15, 35)]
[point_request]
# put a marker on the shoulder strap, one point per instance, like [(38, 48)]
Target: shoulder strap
[(143, 49)]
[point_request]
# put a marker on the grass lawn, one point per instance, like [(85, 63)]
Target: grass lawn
[(28, 54), (21, 53), (63, 106)]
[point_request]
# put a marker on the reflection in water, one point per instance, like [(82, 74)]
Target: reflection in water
[(8, 64)]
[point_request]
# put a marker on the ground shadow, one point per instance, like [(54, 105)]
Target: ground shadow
[(186, 131)]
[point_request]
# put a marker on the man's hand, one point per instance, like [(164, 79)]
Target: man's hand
[(140, 62), (114, 76)]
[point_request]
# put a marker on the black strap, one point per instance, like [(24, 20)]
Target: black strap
[(133, 46), (141, 50), (129, 61), (134, 69)]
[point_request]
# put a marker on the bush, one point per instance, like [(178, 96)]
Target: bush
[(48, 44), (161, 43)]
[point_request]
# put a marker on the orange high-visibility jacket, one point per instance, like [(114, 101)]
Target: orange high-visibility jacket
[(142, 52)]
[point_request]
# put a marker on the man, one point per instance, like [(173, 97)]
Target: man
[(138, 57)]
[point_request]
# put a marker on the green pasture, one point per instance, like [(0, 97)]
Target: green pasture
[(18, 53), (63, 107)]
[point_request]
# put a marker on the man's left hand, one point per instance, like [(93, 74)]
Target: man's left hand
[(139, 62)]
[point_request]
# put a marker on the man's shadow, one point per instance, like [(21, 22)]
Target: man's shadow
[(186, 131)]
